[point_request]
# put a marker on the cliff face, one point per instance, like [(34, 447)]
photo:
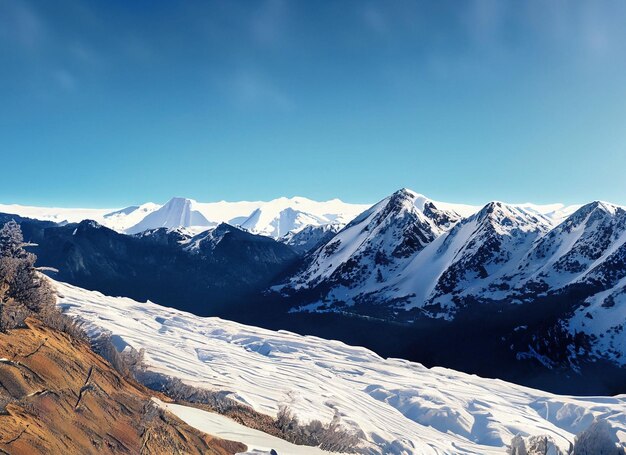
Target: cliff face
[(58, 396)]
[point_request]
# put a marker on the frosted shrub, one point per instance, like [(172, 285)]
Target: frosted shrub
[(598, 439), (24, 291), (533, 445), (332, 437), (518, 446), (128, 363)]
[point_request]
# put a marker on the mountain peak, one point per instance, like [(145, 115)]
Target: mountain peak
[(507, 216), (177, 212), (180, 200), (599, 208)]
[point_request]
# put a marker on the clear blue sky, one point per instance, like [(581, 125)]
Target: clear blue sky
[(108, 103)]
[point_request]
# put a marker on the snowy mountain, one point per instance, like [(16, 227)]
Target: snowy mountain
[(281, 216), (311, 237), (375, 245), (533, 286), (274, 218), (395, 406), (576, 249), (478, 252), (117, 219), (177, 212), (120, 220), (403, 260), (407, 253)]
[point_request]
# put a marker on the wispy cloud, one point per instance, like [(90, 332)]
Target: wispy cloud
[(64, 79), (20, 25), (252, 90), (268, 22)]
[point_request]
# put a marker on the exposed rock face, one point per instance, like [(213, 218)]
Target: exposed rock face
[(58, 396)]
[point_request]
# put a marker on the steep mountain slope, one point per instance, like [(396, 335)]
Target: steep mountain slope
[(502, 252), (377, 244), (575, 248), (472, 259), (398, 407), (311, 237), (60, 397)]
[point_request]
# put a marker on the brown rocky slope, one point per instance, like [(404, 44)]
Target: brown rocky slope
[(58, 396)]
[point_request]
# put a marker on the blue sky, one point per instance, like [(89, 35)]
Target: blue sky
[(109, 103)]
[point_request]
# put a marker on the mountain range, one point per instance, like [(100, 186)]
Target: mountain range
[(274, 218), (538, 288)]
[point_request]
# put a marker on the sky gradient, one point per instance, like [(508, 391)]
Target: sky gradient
[(111, 103)]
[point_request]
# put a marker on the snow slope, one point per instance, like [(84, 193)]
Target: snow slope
[(399, 407), (225, 428)]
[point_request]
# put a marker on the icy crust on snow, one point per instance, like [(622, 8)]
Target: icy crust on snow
[(398, 407)]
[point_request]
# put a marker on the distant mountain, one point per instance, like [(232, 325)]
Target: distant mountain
[(275, 218), (177, 212), (281, 216), (123, 219)]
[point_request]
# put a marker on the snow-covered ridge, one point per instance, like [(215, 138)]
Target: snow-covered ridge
[(399, 407), (274, 218), (414, 252)]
